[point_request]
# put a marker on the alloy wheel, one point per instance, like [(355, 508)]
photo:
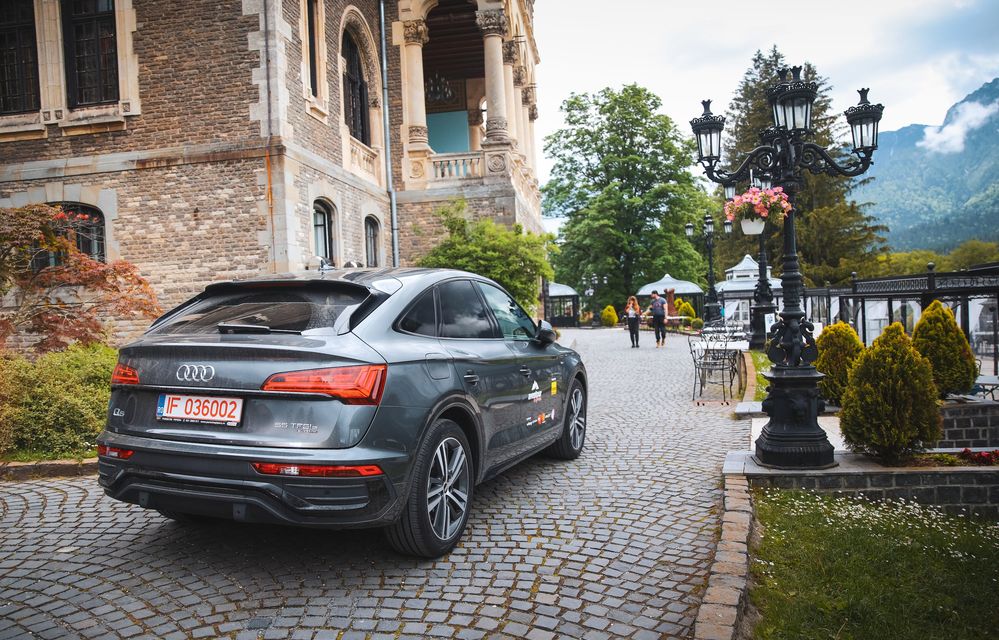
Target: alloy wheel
[(577, 418), (448, 488)]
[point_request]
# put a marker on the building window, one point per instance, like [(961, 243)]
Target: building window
[(371, 241), (355, 92), (322, 230), (91, 52), (311, 26), (89, 235), (18, 58)]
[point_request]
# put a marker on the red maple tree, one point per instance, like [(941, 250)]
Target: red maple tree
[(70, 300)]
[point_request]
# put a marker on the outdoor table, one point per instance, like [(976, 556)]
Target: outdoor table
[(988, 385)]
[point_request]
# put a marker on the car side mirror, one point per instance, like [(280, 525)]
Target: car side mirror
[(546, 334)]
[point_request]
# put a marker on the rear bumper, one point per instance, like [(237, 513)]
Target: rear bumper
[(219, 481)]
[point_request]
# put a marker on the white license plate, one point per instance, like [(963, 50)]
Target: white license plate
[(199, 409)]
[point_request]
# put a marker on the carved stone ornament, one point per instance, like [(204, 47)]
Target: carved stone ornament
[(474, 117), (415, 32), (415, 169), (373, 100), (496, 163), (511, 53), (533, 113), (527, 97), (418, 133), (495, 124), (519, 76), (492, 23)]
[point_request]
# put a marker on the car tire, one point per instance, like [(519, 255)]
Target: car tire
[(443, 481), (570, 443)]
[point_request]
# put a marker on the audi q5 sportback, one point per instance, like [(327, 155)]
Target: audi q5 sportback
[(353, 398)]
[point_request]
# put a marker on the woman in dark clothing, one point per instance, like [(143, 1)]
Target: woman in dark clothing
[(633, 312)]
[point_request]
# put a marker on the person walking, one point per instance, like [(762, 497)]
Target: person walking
[(658, 310), (633, 312)]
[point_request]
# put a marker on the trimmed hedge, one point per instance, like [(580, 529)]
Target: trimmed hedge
[(839, 345), (941, 341), (890, 403), (608, 317), (57, 405), (697, 324)]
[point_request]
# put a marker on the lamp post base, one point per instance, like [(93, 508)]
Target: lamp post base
[(792, 439), (758, 324), (712, 311)]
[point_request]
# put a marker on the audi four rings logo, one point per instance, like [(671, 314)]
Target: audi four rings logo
[(195, 372)]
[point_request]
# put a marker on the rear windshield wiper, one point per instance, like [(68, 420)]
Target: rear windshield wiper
[(233, 327)]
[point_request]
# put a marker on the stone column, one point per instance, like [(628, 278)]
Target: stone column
[(519, 82), (532, 115), (474, 130), (415, 33), (510, 59), (526, 102), (493, 24)]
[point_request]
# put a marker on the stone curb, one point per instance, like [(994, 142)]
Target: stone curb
[(15, 471), (728, 576)]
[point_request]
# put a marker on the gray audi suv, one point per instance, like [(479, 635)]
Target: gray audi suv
[(356, 398)]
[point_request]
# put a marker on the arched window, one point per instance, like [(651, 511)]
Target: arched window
[(371, 241), (355, 91), (322, 230), (89, 235)]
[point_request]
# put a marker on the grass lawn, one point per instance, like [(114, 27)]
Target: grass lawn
[(848, 568), (762, 363)]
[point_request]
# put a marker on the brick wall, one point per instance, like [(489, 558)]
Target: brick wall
[(975, 425), (972, 491)]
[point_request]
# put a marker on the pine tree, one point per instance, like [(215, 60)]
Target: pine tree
[(839, 345), (889, 406), (941, 341)]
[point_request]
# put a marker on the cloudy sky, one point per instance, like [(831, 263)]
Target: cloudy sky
[(918, 56)]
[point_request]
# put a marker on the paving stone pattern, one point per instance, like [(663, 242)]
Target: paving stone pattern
[(614, 545)]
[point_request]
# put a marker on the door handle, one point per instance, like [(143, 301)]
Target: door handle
[(525, 372), (471, 378)]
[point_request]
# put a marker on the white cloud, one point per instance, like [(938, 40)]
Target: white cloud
[(950, 137)]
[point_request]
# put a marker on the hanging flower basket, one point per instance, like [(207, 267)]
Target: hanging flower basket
[(754, 207)]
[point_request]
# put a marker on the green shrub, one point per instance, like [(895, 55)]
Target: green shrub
[(57, 405), (687, 310), (839, 345), (941, 341), (608, 317), (889, 407), (697, 324)]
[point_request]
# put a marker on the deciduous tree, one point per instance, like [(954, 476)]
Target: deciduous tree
[(622, 181), (67, 302)]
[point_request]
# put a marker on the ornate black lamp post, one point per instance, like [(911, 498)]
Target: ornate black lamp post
[(792, 438), (711, 306)]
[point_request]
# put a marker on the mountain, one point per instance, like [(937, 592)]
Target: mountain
[(935, 187)]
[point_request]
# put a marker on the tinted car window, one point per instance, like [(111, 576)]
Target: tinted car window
[(280, 309), (462, 313), (422, 318), (513, 320)]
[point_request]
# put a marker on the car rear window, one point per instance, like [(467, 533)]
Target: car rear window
[(286, 309)]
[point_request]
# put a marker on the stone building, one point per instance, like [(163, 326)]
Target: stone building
[(214, 140)]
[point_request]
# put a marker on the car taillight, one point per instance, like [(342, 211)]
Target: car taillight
[(114, 452), (124, 374), (317, 470), (354, 385)]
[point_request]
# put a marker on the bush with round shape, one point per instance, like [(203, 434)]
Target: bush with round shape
[(697, 324), (941, 341), (890, 404), (57, 405), (608, 317), (687, 310), (839, 345)]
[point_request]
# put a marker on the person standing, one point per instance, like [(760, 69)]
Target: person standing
[(633, 312), (658, 310)]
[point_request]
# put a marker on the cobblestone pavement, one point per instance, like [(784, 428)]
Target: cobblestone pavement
[(613, 545)]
